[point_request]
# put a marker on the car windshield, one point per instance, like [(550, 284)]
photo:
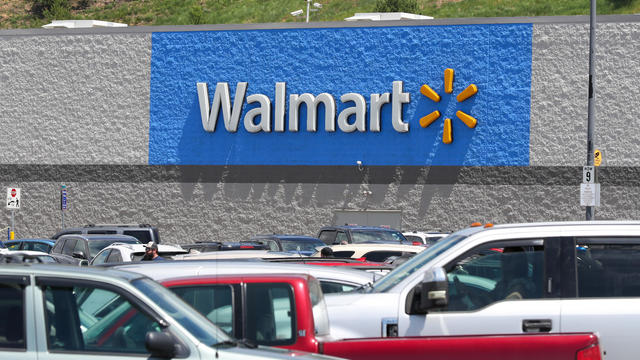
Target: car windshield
[(300, 244), (364, 236), (95, 245), (195, 323), (418, 261)]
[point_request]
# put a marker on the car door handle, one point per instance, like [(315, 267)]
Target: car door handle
[(536, 325)]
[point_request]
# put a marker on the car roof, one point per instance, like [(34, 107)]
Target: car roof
[(160, 271), (203, 279), (115, 237), (41, 240), (357, 227), (378, 247), (141, 247), (287, 237), (67, 270)]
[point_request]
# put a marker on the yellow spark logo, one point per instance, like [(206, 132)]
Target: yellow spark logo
[(447, 136)]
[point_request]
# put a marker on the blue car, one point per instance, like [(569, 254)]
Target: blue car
[(36, 244)]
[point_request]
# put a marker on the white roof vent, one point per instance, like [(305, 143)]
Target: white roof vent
[(76, 24), (386, 16)]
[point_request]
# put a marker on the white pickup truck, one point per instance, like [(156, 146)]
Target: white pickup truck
[(509, 279)]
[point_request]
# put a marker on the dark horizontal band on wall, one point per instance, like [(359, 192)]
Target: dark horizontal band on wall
[(471, 175)]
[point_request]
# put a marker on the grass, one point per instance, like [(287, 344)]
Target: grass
[(16, 13)]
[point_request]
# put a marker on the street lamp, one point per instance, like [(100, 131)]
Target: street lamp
[(300, 11)]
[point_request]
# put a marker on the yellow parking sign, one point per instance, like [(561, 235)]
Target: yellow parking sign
[(597, 157)]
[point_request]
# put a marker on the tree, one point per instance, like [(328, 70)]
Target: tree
[(408, 6)]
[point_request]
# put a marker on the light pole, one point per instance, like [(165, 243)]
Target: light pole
[(592, 92), (309, 9)]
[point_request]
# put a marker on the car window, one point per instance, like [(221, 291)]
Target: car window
[(37, 246), (115, 256), (212, 301), (96, 245), (496, 272), (327, 236), (69, 245), (331, 287), (143, 235), (363, 236), (414, 238), (12, 309), (57, 247), (608, 268), (91, 319), (101, 258), (343, 254), (271, 244), (381, 255), (102, 231), (270, 314), (300, 245), (80, 247), (14, 246), (341, 238)]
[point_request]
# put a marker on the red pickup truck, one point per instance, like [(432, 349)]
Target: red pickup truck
[(288, 311)]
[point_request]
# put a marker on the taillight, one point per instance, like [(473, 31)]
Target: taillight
[(590, 353), (363, 259), (416, 243)]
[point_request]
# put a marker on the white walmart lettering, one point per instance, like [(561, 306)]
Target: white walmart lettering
[(209, 112)]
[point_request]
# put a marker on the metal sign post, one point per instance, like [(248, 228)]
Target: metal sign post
[(63, 201), (13, 204)]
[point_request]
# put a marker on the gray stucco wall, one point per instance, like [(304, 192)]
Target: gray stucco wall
[(74, 100)]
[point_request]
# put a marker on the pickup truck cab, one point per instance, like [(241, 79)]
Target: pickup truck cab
[(508, 279), (288, 311), (60, 312)]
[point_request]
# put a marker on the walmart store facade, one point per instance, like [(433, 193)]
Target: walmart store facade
[(221, 132)]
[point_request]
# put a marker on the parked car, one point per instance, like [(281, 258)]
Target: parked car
[(424, 237), (142, 232), (35, 244), (206, 246), (299, 244), (288, 311), (235, 254), (76, 248), (552, 277), (372, 252), (121, 252), (354, 234), (29, 256), (62, 312), (331, 279)]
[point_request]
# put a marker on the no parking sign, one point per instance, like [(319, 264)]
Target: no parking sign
[(13, 198)]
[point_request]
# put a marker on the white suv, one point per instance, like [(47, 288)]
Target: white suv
[(120, 252), (509, 279), (426, 238)]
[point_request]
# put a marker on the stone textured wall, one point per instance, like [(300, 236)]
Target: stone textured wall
[(83, 99)]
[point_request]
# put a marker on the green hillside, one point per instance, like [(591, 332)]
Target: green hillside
[(30, 14)]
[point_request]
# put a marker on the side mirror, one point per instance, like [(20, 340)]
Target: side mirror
[(431, 293), (83, 262), (161, 344), (79, 255)]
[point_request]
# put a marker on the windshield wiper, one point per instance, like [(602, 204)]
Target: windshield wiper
[(245, 343)]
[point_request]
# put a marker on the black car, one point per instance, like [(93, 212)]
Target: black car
[(142, 232), (299, 244), (354, 234), (75, 248)]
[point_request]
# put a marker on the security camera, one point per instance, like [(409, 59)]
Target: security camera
[(297, 12)]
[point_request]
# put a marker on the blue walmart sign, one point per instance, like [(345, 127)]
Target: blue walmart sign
[(336, 96)]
